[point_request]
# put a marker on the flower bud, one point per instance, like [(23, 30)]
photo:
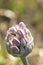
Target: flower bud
[(19, 41)]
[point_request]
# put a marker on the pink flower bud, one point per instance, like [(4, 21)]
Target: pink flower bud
[(19, 41)]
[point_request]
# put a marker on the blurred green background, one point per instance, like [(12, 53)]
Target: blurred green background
[(31, 13)]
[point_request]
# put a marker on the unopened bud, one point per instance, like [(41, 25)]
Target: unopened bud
[(19, 41)]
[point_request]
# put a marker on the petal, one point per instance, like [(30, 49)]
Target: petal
[(16, 42), (12, 30), (22, 25), (17, 27), (23, 42), (21, 33), (15, 49), (27, 51)]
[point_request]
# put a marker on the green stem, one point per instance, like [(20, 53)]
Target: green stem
[(24, 60)]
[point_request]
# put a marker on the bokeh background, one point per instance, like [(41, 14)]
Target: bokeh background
[(31, 13)]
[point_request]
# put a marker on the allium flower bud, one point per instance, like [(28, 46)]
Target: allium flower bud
[(19, 41)]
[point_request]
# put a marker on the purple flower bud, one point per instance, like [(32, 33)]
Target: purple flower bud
[(19, 41)]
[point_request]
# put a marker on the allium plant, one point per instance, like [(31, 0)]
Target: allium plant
[(19, 41)]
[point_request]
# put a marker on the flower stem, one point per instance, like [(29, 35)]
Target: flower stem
[(24, 60)]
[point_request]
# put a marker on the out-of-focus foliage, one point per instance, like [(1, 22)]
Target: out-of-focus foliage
[(31, 12)]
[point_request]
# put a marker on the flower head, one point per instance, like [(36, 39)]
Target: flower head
[(19, 41)]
